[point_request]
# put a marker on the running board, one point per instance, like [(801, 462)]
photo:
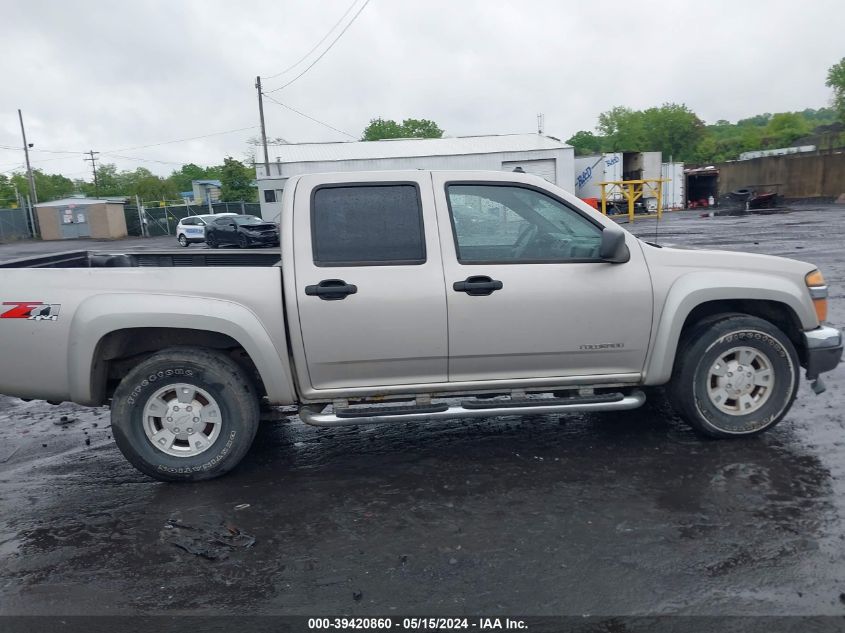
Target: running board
[(313, 414)]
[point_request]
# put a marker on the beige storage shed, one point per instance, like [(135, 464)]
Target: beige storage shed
[(71, 218)]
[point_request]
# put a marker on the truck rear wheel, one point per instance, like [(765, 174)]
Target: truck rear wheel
[(185, 414), (735, 375)]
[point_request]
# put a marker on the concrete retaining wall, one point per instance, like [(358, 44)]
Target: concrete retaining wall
[(795, 176)]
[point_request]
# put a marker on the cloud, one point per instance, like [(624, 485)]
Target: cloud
[(110, 76)]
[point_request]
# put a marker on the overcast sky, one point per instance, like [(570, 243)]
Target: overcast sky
[(116, 75)]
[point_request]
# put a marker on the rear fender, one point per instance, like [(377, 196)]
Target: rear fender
[(102, 314)]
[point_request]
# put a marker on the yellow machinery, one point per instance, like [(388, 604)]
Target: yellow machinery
[(633, 190)]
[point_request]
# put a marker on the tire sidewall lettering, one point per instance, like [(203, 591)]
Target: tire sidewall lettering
[(137, 397), (152, 378), (780, 398)]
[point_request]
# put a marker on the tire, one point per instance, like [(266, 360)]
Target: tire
[(183, 241), (718, 401), (243, 241), (224, 402), (211, 241)]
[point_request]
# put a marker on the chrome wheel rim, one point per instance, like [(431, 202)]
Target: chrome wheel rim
[(182, 420), (740, 381), (183, 240)]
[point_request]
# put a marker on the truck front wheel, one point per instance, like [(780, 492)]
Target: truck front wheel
[(734, 375), (185, 414)]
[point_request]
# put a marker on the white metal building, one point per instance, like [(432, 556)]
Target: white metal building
[(537, 154)]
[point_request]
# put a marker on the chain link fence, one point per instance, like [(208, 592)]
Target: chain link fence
[(163, 220), (14, 225)]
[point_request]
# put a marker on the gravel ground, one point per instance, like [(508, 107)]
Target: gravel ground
[(581, 514)]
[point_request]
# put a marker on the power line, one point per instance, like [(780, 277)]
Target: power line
[(38, 149), (334, 41), (317, 45), (182, 140), (111, 152), (47, 160), (331, 127), (144, 160)]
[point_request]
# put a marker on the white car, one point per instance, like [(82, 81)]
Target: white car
[(192, 228)]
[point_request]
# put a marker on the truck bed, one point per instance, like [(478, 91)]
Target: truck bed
[(159, 258)]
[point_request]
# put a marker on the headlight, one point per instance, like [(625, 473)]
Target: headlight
[(818, 292)]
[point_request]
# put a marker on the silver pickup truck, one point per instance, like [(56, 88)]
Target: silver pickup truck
[(410, 295)]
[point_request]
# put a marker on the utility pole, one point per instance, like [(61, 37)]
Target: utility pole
[(93, 160), (541, 120), (141, 212), (28, 167), (263, 131)]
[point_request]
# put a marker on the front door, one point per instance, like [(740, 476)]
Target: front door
[(527, 295), (369, 282)]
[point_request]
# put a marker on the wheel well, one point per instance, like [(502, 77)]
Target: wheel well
[(120, 351), (778, 314)]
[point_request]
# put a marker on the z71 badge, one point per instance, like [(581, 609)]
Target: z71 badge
[(31, 310)]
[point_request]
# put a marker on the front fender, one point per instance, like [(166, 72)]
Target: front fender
[(100, 315), (696, 288)]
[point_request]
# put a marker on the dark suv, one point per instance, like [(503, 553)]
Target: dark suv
[(243, 230)]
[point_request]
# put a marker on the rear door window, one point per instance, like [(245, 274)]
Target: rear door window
[(361, 225)]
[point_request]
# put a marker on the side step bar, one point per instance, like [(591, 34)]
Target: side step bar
[(313, 414)]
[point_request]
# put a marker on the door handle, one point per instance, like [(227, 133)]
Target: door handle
[(331, 290), (478, 286)]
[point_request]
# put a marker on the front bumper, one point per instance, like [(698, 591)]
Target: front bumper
[(268, 239), (824, 350)]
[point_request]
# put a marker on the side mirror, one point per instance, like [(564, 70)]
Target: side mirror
[(613, 248), (233, 225)]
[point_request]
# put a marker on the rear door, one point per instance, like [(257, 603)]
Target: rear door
[(527, 295), (369, 281)]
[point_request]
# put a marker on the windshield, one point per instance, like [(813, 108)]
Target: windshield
[(246, 220)]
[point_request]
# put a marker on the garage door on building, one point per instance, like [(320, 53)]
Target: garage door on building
[(543, 167)]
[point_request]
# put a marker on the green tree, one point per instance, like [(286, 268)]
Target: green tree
[(673, 129), (785, 128), (380, 129), (147, 186), (707, 150), (409, 128), (182, 178), (836, 80), (585, 143), (140, 181), (7, 193), (47, 186), (237, 182), (421, 128), (622, 129), (759, 120), (108, 182)]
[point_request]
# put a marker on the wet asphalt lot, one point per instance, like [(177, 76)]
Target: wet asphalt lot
[(612, 514)]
